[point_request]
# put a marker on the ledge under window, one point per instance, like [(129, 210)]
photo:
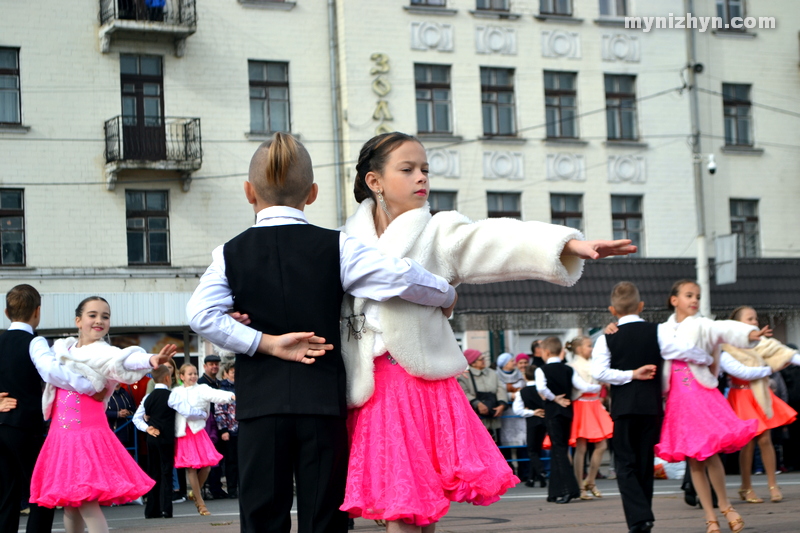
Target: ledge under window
[(741, 150), (566, 19), (733, 34), (262, 136), (14, 128), (503, 139), (494, 14), (431, 10), (439, 137), (610, 21), (556, 141), (279, 5), (625, 143)]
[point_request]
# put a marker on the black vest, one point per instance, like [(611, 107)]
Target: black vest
[(287, 278), (532, 400), (633, 346), (162, 416), (20, 380), (559, 381)]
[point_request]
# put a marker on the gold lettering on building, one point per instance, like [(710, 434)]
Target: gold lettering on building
[(381, 87)]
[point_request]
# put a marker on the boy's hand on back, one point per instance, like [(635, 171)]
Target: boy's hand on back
[(562, 400), (645, 372), (242, 318), (6, 403), (611, 328), (300, 347), (448, 311)]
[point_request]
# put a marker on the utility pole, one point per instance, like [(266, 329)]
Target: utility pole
[(701, 264)]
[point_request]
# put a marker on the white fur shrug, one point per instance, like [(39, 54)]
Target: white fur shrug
[(461, 251), (99, 362)]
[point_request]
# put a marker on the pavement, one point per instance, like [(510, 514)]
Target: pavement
[(521, 509)]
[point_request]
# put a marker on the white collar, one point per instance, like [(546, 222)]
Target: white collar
[(24, 326), (627, 319), (279, 211), (161, 386), (554, 359)]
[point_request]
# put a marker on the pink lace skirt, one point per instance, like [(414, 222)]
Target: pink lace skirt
[(195, 450), (417, 445), (699, 422)]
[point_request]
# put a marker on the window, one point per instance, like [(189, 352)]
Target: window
[(744, 223), (12, 228), (560, 98), (567, 210), (492, 5), (736, 107), (147, 214), (497, 95), (9, 87), (555, 7), (503, 204), (728, 9), (442, 201), (428, 3), (613, 8), (433, 98), (621, 107), (626, 220), (269, 96)]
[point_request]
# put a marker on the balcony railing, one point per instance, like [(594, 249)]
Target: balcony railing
[(132, 19), (153, 143)]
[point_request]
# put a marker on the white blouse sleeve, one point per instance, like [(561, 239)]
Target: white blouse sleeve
[(214, 395), (736, 369)]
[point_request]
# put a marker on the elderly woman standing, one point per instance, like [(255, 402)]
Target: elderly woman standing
[(480, 378)]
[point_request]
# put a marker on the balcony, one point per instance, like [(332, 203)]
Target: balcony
[(174, 20), (152, 144)]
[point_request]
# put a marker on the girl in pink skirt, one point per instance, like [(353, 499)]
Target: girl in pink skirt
[(194, 450), (83, 465), (416, 443)]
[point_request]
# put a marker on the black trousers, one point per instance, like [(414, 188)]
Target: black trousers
[(230, 450), (562, 476), (18, 452), (272, 449), (635, 438), (160, 461), (536, 434)]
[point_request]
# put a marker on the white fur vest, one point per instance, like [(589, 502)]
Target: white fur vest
[(461, 251)]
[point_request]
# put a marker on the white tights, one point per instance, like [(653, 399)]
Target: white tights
[(88, 515)]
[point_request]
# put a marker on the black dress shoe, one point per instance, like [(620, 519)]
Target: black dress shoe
[(564, 499), (232, 495), (551, 499), (530, 483), (542, 481), (166, 515), (641, 527)]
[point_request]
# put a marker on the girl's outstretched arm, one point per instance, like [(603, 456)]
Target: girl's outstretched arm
[(598, 249)]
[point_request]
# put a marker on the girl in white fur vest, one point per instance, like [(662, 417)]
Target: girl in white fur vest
[(416, 443)]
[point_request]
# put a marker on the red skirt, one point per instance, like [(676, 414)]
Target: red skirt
[(590, 420), (746, 407)]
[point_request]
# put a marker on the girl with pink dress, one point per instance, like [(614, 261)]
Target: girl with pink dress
[(194, 450), (416, 443), (82, 464), (698, 421)]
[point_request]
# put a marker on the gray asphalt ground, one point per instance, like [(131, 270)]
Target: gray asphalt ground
[(521, 509)]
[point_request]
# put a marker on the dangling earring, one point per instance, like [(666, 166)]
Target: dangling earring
[(384, 206)]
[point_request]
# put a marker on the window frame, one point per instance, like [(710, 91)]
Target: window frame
[(561, 93), (146, 214), (266, 85), (723, 10), (491, 5), (617, 8), (15, 72), (551, 7), (495, 106), (429, 3), (431, 102), (13, 213), (501, 196), (741, 221), (440, 194), (617, 110), (562, 217), (735, 104), (625, 216)]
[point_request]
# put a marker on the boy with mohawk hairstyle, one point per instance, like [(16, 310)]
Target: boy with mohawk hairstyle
[(285, 275), (629, 360)]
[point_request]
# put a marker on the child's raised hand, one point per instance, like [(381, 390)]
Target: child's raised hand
[(766, 331), (300, 347), (645, 372), (6, 403), (598, 249), (164, 355)]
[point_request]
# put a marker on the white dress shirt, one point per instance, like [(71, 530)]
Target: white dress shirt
[(672, 348), (364, 271), (50, 370), (138, 416), (518, 405), (577, 382)]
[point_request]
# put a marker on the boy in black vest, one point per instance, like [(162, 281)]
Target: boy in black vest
[(285, 275), (22, 428), (628, 360), (155, 417), (555, 382), (530, 405)]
